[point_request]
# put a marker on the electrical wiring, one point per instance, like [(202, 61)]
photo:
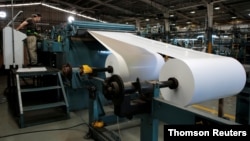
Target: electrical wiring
[(47, 130)]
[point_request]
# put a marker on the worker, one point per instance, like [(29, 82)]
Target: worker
[(32, 36)]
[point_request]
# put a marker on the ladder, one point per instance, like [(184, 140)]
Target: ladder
[(41, 96)]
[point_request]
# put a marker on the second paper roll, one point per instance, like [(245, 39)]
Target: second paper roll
[(202, 80)]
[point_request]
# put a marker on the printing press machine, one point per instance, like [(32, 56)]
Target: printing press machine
[(81, 61)]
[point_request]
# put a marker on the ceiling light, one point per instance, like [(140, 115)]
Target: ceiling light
[(192, 12), (233, 17), (171, 15), (188, 22), (50, 6), (217, 8), (146, 20), (71, 19), (2, 14), (17, 5)]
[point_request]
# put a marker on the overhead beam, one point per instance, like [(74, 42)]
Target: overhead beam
[(113, 7), (155, 5), (232, 11), (212, 1), (73, 5), (77, 1), (187, 7), (165, 9), (98, 4)]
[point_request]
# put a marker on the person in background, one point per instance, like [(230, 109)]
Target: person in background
[(32, 35)]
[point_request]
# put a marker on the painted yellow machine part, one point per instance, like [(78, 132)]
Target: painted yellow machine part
[(85, 69)]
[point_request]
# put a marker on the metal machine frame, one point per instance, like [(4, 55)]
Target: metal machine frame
[(159, 110), (151, 109)]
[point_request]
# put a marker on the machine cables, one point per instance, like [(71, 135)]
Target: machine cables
[(46, 130)]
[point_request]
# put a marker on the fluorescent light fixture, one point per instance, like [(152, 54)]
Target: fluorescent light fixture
[(202, 36), (172, 15), (147, 20), (17, 5), (50, 6), (217, 8), (188, 22), (192, 12), (185, 39), (2, 14), (233, 17), (74, 13)]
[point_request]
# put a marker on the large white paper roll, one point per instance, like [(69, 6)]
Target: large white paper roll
[(130, 67), (130, 62), (202, 76), (201, 81)]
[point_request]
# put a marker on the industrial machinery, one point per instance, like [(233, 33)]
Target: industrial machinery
[(64, 52), (132, 98), (88, 87), (13, 51), (81, 58), (151, 108), (28, 88), (141, 99), (76, 47)]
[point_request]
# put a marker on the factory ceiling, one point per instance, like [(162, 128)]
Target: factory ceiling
[(178, 12)]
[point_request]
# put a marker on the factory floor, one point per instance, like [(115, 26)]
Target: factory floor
[(75, 128)]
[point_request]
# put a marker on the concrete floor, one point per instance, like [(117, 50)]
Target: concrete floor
[(75, 128)]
